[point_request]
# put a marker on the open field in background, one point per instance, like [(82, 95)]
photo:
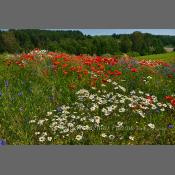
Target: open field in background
[(168, 57), (57, 98)]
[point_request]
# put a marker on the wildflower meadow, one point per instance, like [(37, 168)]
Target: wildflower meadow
[(58, 98)]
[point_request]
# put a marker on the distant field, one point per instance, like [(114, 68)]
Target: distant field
[(168, 57)]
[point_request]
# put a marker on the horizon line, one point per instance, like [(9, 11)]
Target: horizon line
[(101, 32)]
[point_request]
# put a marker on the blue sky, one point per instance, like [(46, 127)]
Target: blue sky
[(125, 31), (121, 31)]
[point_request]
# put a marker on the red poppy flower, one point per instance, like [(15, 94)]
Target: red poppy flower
[(117, 72), (134, 70), (56, 63), (79, 76), (18, 62), (170, 76), (150, 99), (104, 81), (65, 72), (173, 102), (64, 65), (168, 97), (85, 72)]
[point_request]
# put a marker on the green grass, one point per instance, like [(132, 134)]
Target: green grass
[(168, 57)]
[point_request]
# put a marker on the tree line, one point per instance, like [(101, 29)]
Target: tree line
[(75, 42)]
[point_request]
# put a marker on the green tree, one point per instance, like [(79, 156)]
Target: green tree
[(10, 43), (1, 44), (138, 42), (125, 44)]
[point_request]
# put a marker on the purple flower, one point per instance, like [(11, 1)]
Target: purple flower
[(20, 94), (0, 93), (170, 126), (2, 142)]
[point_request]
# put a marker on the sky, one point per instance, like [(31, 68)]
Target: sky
[(121, 31), (125, 31)]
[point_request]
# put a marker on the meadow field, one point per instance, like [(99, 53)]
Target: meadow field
[(58, 98), (167, 57)]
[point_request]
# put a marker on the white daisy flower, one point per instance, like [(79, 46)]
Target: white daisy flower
[(162, 109), (149, 77), (165, 105), (78, 137), (37, 133), (159, 104), (116, 88), (132, 92), (114, 83), (122, 110), (86, 127), (111, 137), (49, 113), (78, 127), (152, 126), (109, 80), (122, 101), (44, 134), (42, 139), (141, 92), (32, 121), (131, 105), (91, 120), (119, 124), (91, 97), (97, 119), (92, 108), (122, 88), (131, 138), (70, 125), (49, 139), (153, 107), (103, 135), (40, 122)]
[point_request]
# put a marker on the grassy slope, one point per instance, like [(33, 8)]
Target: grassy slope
[(168, 57)]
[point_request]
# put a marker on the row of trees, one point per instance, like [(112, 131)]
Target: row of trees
[(75, 42)]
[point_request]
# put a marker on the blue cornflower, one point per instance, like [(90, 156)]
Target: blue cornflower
[(0, 93), (59, 109), (170, 126), (20, 94), (157, 110), (2, 142)]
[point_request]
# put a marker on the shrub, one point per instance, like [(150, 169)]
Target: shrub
[(133, 54)]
